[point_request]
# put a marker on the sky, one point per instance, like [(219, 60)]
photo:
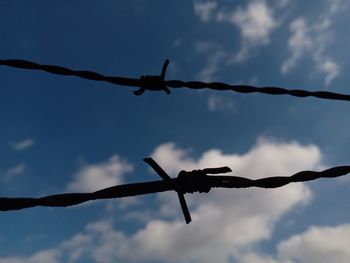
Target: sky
[(65, 134)]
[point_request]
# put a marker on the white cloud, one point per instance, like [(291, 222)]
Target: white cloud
[(204, 46), (212, 66), (39, 257), (177, 42), (299, 43), (98, 242), (330, 69), (92, 177), (312, 40), (267, 156), (338, 5), (14, 171), (226, 223), (255, 23), (258, 19), (317, 244), (23, 145), (68, 251), (220, 103), (204, 10), (283, 3), (18, 169), (234, 225), (215, 56)]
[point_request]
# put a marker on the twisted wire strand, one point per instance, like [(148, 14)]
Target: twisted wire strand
[(277, 181), (70, 199), (158, 83), (90, 75)]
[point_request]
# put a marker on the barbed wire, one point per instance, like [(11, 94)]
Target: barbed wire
[(186, 182), (158, 82)]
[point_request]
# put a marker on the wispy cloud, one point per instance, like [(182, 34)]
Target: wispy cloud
[(255, 22), (18, 169), (12, 172), (23, 145), (92, 177), (204, 10), (258, 19), (298, 43), (220, 103), (312, 40), (337, 5), (215, 57)]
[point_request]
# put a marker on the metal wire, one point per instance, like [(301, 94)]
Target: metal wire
[(158, 83), (186, 182)]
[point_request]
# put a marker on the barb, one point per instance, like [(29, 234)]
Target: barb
[(180, 192), (158, 83), (154, 82), (186, 182)]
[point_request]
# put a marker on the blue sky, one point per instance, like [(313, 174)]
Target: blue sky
[(62, 134)]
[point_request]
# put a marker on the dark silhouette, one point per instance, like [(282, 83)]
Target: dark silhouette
[(185, 182), (158, 83)]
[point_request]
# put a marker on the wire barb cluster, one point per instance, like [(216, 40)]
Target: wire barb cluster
[(154, 83), (186, 182), (158, 83)]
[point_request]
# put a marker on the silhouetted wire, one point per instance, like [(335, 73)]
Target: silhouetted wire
[(158, 82), (185, 182)]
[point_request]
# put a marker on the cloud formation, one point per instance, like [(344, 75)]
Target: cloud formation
[(92, 177), (312, 40), (215, 57), (23, 145), (317, 244), (12, 172), (255, 23), (101, 242), (220, 103), (227, 224), (204, 10), (258, 19)]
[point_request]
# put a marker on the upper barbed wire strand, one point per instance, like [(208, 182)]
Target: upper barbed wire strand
[(158, 83)]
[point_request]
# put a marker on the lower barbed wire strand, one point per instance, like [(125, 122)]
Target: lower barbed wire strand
[(119, 191), (70, 199)]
